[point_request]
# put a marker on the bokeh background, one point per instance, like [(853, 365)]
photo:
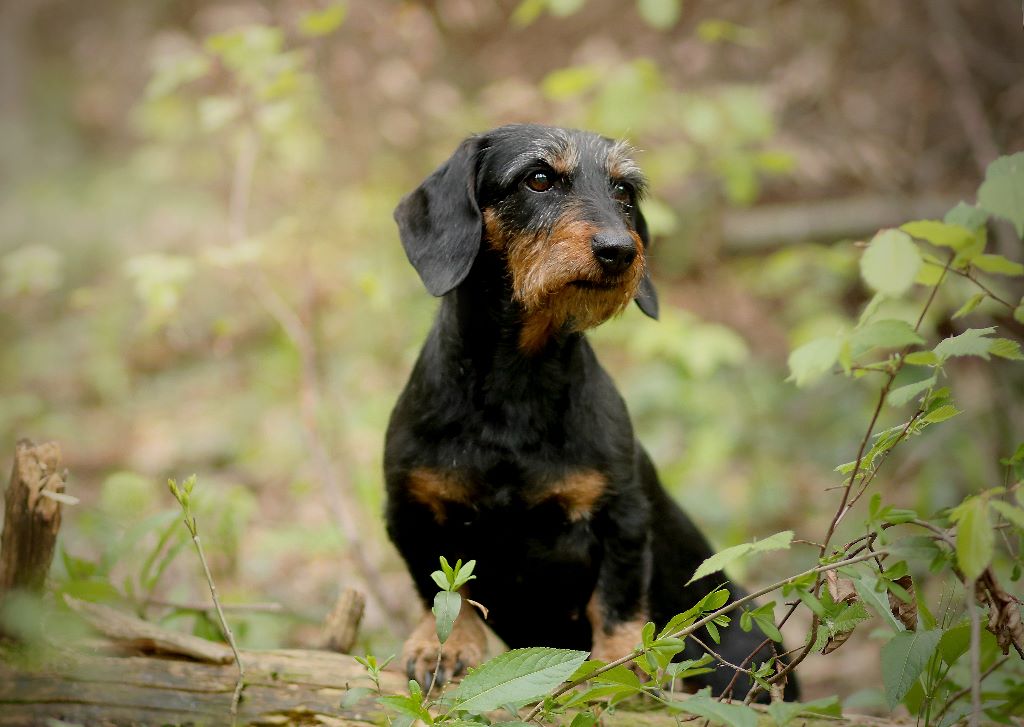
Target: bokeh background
[(199, 272)]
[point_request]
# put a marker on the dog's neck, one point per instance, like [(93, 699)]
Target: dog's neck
[(480, 326)]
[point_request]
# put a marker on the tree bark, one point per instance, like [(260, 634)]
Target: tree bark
[(31, 516)]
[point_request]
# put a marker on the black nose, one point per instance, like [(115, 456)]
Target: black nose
[(615, 252)]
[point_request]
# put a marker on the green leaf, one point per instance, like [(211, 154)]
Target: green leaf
[(975, 538), (718, 561), (941, 414), (1012, 513), (808, 362), (954, 643), (446, 609), (785, 712), (584, 719), (515, 677), (323, 22), (997, 264), (966, 215), (972, 342), (973, 302), (886, 333), (872, 592), (941, 234), (621, 675), (903, 394), (1005, 348), (903, 659), (659, 14), (1002, 192), (890, 263), (702, 705), (1018, 312), (921, 358)]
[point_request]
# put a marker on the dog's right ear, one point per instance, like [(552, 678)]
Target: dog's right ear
[(440, 223)]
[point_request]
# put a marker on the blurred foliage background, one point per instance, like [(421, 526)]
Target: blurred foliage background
[(199, 271)]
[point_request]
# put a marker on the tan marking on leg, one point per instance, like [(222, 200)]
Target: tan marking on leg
[(611, 642), (464, 648), (436, 490)]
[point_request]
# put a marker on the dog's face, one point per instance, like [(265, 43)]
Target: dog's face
[(560, 207)]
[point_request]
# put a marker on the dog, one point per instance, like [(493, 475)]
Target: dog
[(510, 444)]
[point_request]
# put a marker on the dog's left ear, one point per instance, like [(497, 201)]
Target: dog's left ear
[(440, 223), (646, 296)]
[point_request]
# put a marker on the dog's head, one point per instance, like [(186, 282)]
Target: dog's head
[(560, 207)]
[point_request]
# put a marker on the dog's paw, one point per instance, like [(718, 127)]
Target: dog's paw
[(464, 648), (618, 641)]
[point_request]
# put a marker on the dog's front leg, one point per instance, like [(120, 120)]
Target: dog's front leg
[(425, 657), (617, 609)]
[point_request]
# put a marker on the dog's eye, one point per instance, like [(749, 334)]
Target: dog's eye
[(622, 192), (540, 181)]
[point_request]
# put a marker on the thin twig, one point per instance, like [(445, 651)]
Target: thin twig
[(718, 657), (237, 694)]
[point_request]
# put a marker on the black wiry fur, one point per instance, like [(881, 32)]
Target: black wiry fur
[(487, 442)]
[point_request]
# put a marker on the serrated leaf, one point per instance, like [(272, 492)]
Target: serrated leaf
[(515, 677), (941, 234), (903, 394), (886, 333), (1005, 348), (966, 215), (446, 609), (972, 342), (903, 659), (973, 302), (997, 264), (702, 705), (808, 362), (1002, 192), (975, 538), (718, 561), (890, 263)]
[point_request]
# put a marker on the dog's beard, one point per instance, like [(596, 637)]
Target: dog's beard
[(562, 288)]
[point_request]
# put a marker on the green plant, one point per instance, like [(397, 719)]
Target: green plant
[(183, 495)]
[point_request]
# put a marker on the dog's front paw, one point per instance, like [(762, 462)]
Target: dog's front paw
[(464, 648), (618, 641)]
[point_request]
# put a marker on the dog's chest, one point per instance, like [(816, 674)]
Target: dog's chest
[(508, 493)]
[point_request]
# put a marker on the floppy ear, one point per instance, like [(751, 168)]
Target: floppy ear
[(646, 296), (440, 223)]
